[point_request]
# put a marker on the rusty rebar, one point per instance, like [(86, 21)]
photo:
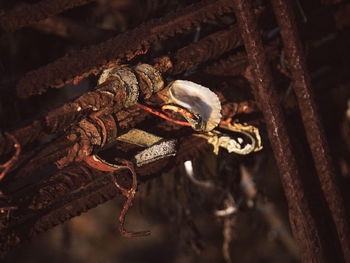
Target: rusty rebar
[(236, 64), (61, 146), (42, 156), (311, 120), (123, 47), (72, 112), (302, 222), (207, 48), (73, 190), (25, 14), (61, 118), (24, 135), (233, 65)]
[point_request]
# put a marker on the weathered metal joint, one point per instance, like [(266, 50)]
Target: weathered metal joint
[(141, 81), (150, 80), (90, 133)]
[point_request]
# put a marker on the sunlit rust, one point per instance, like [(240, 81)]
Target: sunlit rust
[(122, 47), (80, 127)]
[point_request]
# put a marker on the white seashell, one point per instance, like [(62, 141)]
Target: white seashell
[(199, 100)]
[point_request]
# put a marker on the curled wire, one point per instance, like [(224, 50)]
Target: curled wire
[(164, 116), (102, 165), (130, 195)]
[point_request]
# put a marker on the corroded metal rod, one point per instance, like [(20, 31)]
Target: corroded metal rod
[(59, 119), (207, 48), (26, 14), (302, 222), (121, 48), (311, 120)]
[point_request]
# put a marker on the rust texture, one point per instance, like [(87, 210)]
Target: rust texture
[(25, 14), (302, 222), (123, 47), (38, 196), (311, 120), (236, 65), (25, 135), (77, 140), (40, 158), (208, 48), (74, 190), (71, 112)]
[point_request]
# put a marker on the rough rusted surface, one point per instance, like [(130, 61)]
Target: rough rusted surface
[(62, 118), (37, 160), (71, 112), (25, 135), (123, 47), (236, 65), (127, 119), (25, 14), (312, 123), (302, 223), (75, 190), (208, 48), (40, 218), (184, 59), (39, 196)]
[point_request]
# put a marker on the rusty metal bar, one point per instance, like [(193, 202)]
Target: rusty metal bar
[(26, 14), (59, 147), (302, 222), (74, 190), (25, 134), (236, 64), (208, 48), (123, 47), (61, 118), (311, 120)]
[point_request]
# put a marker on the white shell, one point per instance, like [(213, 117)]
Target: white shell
[(197, 99)]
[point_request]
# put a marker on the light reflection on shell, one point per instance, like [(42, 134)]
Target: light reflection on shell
[(198, 100)]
